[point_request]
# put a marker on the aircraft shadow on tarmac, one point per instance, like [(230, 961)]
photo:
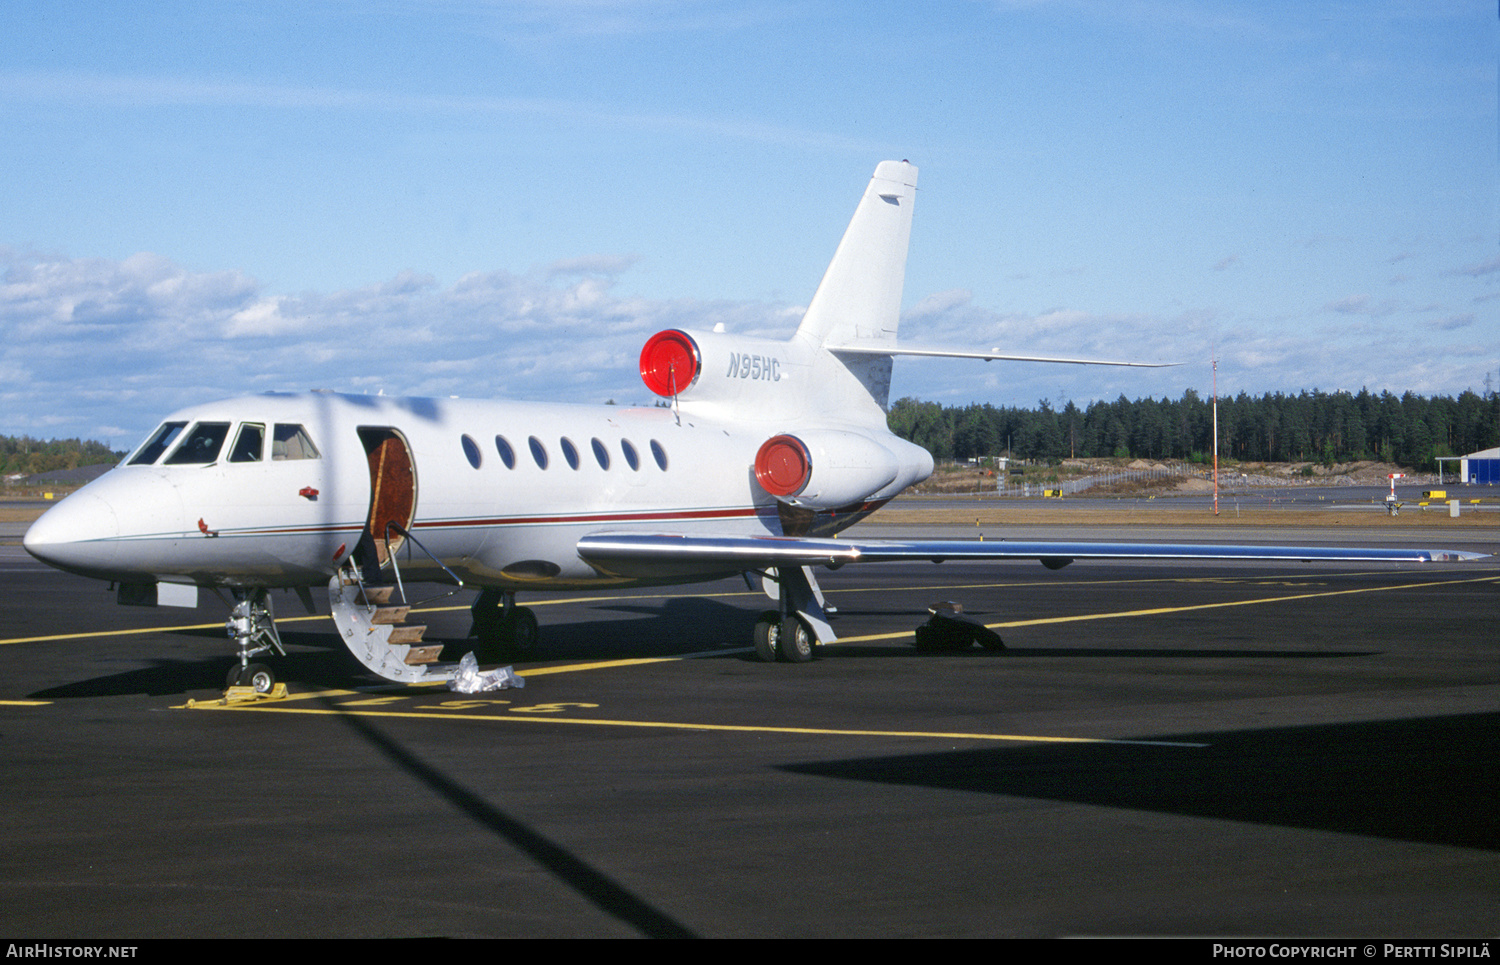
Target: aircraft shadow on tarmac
[(329, 667), (1433, 780), (1148, 653), (316, 657)]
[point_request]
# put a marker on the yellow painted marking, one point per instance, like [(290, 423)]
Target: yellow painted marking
[(323, 616), (111, 633), (544, 711), (1155, 611), (24, 703), (1158, 611), (867, 638), (631, 662), (722, 728), (591, 598), (554, 708)]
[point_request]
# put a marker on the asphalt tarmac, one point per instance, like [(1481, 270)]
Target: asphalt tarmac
[(1164, 749)]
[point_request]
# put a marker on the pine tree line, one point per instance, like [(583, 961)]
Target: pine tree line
[(23, 454), (1328, 427)]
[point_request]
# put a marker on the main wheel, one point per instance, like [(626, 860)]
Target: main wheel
[(523, 630), (796, 641), (767, 632)]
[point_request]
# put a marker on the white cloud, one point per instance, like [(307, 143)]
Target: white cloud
[(92, 344), (592, 265), (102, 348), (940, 302)]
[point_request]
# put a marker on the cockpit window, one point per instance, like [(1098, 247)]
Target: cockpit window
[(201, 446), (292, 442), (158, 443), (249, 443)]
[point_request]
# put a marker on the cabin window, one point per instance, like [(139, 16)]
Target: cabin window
[(291, 441), (249, 444), (538, 452), (630, 454), (570, 452), (158, 443), (201, 446), (659, 454), (601, 454), (507, 454), (471, 451)]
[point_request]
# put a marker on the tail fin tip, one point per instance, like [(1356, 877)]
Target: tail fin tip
[(858, 301)]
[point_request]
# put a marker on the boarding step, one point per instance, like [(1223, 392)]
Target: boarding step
[(409, 636), (373, 630), (390, 614), (376, 595), (418, 656)]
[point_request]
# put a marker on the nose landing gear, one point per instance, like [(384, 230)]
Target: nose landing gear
[(252, 627)]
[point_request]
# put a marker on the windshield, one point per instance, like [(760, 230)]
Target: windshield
[(157, 444), (202, 445)]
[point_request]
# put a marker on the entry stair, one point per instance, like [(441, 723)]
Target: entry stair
[(376, 631)]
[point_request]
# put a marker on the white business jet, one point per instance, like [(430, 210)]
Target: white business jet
[(765, 452)]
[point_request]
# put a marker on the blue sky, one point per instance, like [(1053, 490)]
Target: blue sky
[(506, 199)]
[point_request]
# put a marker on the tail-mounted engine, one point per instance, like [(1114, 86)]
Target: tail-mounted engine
[(833, 468), (755, 380), (717, 367)]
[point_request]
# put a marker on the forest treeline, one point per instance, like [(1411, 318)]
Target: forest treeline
[(23, 454), (1328, 427)]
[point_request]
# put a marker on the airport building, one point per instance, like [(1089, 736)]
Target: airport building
[(1480, 467)]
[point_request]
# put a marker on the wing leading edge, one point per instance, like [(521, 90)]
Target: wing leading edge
[(647, 554)]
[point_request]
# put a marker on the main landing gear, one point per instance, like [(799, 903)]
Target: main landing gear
[(800, 623), (501, 626), (252, 627)]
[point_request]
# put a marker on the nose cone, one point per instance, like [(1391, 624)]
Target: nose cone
[(79, 534)]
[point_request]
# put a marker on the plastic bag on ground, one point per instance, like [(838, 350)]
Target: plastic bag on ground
[(469, 679)]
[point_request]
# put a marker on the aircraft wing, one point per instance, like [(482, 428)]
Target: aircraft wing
[(653, 554)]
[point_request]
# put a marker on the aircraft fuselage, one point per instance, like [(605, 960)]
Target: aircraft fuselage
[(500, 492)]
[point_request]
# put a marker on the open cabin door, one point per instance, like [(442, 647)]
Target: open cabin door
[(393, 488)]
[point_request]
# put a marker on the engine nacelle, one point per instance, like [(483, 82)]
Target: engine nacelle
[(834, 468), (718, 367)]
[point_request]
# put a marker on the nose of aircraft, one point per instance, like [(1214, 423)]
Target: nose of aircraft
[(79, 534)]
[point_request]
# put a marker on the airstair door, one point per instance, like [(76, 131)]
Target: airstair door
[(393, 488)]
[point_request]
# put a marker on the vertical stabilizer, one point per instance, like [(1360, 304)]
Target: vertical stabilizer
[(858, 303)]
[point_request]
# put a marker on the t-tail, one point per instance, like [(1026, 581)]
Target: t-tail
[(836, 368), (821, 396)]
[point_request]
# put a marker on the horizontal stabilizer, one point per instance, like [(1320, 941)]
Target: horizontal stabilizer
[(994, 355)]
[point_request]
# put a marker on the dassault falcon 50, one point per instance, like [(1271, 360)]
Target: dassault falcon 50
[(766, 450)]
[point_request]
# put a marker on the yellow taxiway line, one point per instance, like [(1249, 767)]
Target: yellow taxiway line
[(841, 591), (441, 713), (1161, 611)]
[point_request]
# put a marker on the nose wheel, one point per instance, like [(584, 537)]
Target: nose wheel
[(252, 627), (256, 676)]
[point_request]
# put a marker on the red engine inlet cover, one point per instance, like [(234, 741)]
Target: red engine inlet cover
[(782, 465), (670, 362)]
